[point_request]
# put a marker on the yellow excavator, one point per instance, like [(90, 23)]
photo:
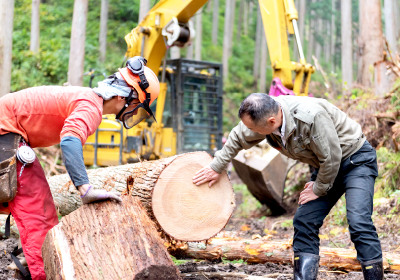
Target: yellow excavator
[(189, 107)]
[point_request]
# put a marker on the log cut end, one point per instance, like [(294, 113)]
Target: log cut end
[(107, 240), (188, 212)]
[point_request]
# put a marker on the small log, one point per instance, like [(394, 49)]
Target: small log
[(182, 210), (107, 240), (262, 251)]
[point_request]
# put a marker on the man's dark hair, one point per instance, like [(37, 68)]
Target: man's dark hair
[(258, 106)]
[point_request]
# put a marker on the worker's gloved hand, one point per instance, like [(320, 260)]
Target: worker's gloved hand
[(93, 195)]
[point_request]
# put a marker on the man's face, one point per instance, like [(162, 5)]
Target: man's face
[(264, 127), (132, 106)]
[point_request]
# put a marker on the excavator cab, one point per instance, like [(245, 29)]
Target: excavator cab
[(193, 104)]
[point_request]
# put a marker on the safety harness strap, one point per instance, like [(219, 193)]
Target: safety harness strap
[(21, 268)]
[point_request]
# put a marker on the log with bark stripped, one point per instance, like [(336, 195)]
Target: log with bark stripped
[(263, 251), (107, 240), (183, 211)]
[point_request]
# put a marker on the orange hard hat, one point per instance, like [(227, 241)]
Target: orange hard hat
[(134, 80)]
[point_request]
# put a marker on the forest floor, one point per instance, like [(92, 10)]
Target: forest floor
[(249, 220), (380, 122)]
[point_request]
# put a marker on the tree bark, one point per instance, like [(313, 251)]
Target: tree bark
[(246, 18), (215, 21), (225, 47), (347, 45), (103, 30), (77, 46), (146, 181), (257, 47), (6, 30), (240, 21), (371, 39), (107, 240), (189, 51), (263, 63), (333, 30), (199, 37), (310, 45), (144, 9), (35, 29), (260, 251), (175, 52), (231, 26), (390, 24)]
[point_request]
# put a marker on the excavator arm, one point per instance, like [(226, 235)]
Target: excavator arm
[(168, 18), (280, 18)]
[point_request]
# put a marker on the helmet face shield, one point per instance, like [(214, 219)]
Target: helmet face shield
[(138, 114)]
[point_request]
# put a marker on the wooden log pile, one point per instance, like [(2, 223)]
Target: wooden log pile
[(107, 240), (263, 251)]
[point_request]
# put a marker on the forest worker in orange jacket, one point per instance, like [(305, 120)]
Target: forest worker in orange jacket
[(47, 115)]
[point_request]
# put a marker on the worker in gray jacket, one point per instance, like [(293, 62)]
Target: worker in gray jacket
[(315, 132)]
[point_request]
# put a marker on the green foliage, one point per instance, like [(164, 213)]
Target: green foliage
[(389, 172), (178, 262), (225, 261), (249, 202), (50, 65)]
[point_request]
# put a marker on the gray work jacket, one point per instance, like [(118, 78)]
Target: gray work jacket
[(316, 133)]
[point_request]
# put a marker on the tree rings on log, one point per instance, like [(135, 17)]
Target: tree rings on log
[(188, 212), (107, 240)]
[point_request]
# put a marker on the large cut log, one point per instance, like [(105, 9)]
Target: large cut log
[(107, 240), (182, 210), (263, 251)]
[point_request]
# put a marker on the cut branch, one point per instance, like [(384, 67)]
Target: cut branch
[(260, 251)]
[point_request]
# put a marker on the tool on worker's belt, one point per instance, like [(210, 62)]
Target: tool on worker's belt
[(25, 155)]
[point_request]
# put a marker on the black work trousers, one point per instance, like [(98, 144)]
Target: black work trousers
[(356, 179)]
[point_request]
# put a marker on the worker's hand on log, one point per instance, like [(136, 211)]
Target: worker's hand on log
[(204, 175), (307, 194), (89, 194)]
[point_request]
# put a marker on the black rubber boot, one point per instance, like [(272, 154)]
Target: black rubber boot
[(305, 266), (373, 270)]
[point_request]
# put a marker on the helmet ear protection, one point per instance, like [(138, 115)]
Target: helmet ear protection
[(136, 65)]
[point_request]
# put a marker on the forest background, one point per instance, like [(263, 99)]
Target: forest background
[(249, 67)]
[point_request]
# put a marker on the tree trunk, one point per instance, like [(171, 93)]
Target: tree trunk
[(6, 30), (347, 45), (371, 38), (231, 26), (260, 251), (189, 51), (194, 213), (103, 30), (240, 21), (246, 18), (175, 52), (215, 20), (333, 30), (390, 24), (263, 63), (199, 32), (107, 240), (257, 47), (78, 37), (35, 29), (318, 46), (302, 17), (251, 12), (144, 9), (311, 26), (225, 47), (209, 6)]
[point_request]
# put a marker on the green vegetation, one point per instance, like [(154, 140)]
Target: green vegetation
[(179, 262), (249, 204), (225, 261)]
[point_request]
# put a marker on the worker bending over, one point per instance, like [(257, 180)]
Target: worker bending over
[(313, 131), (44, 116)]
